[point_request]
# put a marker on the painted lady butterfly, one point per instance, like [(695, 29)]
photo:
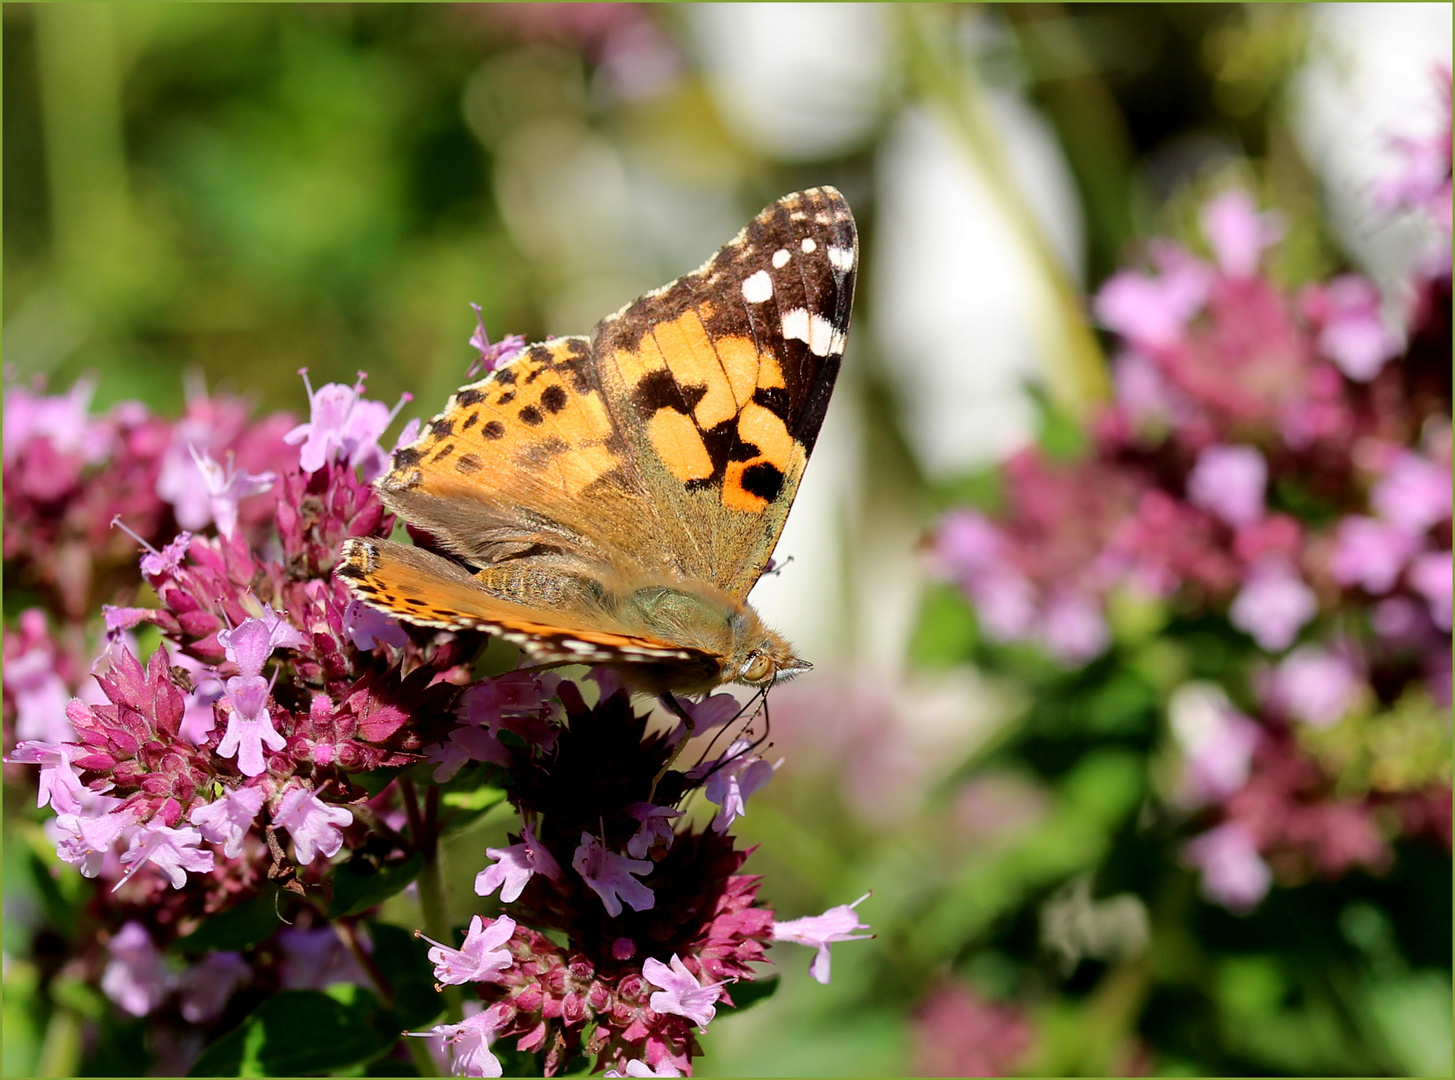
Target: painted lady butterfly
[(612, 499)]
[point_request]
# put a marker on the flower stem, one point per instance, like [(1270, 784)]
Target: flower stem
[(60, 1054), (1076, 369), (431, 882)]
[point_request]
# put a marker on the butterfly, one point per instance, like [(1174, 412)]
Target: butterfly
[(612, 499)]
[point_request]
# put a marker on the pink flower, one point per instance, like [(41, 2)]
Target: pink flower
[(731, 779), (491, 356), (172, 851), (314, 959), (481, 958), (1414, 494), (1229, 481), (514, 866), (1073, 628), (343, 425), (252, 641), (1216, 740), (1233, 873), (368, 628), (169, 559), (1430, 576), (86, 837), (249, 724), (681, 993), (656, 825), (59, 787), (203, 990), (820, 931), (1273, 605), (1006, 606), (635, 1067), (610, 876), (227, 487), (1150, 312), (313, 824), (136, 976), (1370, 553), (226, 820), (1238, 233), (470, 1042), (1353, 332), (1314, 685), (40, 694)]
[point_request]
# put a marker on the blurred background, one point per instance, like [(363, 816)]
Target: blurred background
[(229, 192)]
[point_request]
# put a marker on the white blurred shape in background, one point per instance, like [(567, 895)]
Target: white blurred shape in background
[(796, 81), (1370, 77), (956, 301)]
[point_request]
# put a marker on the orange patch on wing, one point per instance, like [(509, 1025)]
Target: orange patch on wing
[(764, 430), (679, 444), (735, 496)]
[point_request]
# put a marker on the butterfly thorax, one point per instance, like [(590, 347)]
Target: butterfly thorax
[(702, 616)]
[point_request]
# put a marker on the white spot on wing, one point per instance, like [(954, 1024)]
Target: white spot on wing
[(815, 330), (808, 245), (780, 258), (841, 258), (758, 287)]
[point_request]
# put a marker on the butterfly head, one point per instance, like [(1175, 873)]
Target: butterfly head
[(767, 661)]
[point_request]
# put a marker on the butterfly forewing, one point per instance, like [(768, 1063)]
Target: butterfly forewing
[(666, 448), (724, 377)]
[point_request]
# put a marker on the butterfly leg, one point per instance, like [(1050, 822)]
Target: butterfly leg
[(674, 707)]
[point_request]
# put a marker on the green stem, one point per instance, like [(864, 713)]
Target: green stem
[(60, 1054), (1076, 368), (431, 881)]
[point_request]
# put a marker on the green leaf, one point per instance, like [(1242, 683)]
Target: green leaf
[(376, 780), (358, 886), (237, 928), (747, 994), (481, 798), (297, 1032), (404, 961), (946, 633)]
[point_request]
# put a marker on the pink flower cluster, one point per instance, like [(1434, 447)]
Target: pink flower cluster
[(1282, 461), (658, 923), (236, 753)]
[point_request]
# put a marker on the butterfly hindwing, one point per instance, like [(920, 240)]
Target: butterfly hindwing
[(430, 590)]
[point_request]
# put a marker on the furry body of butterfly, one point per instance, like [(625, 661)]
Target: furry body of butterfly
[(612, 499)]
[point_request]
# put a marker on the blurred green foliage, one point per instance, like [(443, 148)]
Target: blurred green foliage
[(243, 190)]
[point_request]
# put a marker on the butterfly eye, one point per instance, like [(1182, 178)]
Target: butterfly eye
[(758, 670)]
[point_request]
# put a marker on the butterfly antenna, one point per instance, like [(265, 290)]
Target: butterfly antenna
[(749, 704)]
